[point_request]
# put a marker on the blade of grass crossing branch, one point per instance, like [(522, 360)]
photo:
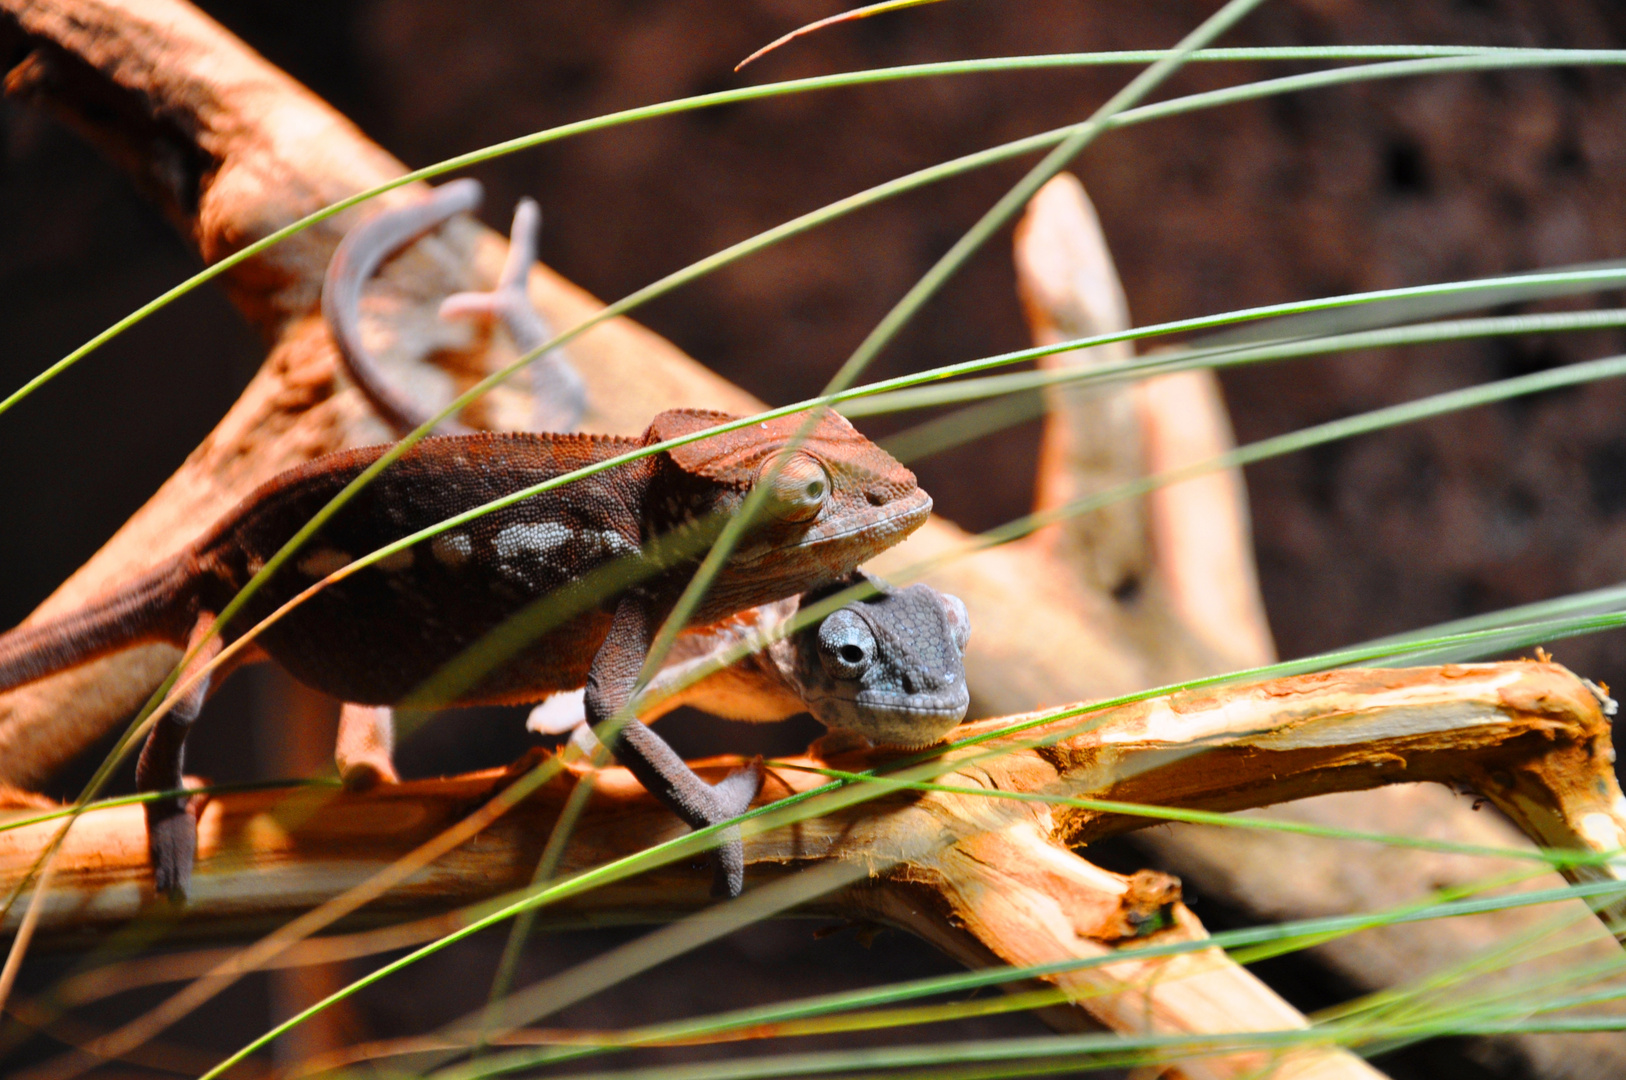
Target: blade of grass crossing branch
[(1378, 419), (1552, 859)]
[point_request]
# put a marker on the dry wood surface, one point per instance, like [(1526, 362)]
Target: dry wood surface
[(233, 149)]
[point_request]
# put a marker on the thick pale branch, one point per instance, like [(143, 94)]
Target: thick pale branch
[(1203, 579), (987, 878), (1092, 437), (1014, 896), (1180, 561)]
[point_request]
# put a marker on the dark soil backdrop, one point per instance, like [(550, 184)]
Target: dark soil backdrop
[(1395, 183)]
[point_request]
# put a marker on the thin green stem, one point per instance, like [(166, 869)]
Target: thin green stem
[(1309, 930), (755, 93), (546, 867)]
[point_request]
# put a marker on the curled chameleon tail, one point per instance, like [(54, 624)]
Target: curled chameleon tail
[(558, 395)]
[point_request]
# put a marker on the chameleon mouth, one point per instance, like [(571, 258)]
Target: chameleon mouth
[(900, 721), (910, 513)]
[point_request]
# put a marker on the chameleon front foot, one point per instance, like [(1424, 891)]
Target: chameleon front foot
[(734, 794), (667, 777)]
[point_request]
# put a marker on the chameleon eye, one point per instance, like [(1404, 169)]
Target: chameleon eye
[(799, 487), (846, 645)]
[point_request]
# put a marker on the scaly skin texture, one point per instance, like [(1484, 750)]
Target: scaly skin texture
[(590, 569), (888, 669)]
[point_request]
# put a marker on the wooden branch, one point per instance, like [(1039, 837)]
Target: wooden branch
[(1207, 579), (990, 880), (1092, 435), (1186, 548)]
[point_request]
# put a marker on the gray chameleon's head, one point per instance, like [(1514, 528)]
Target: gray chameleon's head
[(890, 668)]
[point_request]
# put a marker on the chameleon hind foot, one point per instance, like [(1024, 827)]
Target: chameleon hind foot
[(172, 841), (365, 748)]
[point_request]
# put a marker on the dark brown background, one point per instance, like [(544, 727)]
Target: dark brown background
[(1333, 191)]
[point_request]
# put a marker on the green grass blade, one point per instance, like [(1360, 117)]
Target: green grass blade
[(1433, 60)]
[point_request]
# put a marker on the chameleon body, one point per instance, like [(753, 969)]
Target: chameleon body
[(611, 553), (888, 669)]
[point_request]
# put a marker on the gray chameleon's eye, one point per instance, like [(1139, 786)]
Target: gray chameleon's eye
[(846, 646)]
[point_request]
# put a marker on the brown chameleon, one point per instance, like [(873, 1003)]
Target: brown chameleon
[(607, 555)]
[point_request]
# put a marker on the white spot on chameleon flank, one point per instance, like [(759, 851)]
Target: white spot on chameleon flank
[(535, 539), (606, 544), (323, 561), (452, 549), (396, 561)]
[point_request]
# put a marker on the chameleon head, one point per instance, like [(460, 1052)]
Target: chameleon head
[(832, 498), (890, 668)]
